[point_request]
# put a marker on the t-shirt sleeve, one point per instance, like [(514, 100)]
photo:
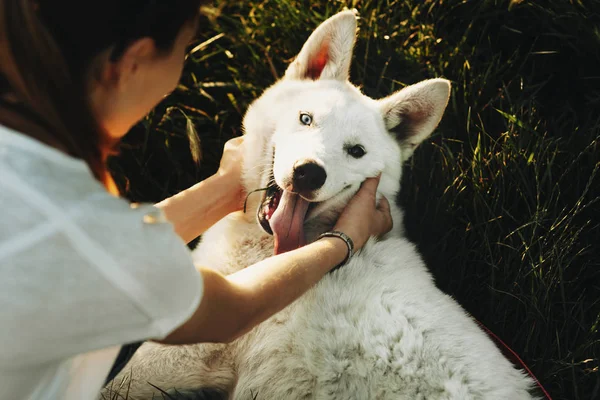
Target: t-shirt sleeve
[(96, 274), (145, 258)]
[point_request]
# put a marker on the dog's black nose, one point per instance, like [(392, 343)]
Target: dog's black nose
[(308, 176)]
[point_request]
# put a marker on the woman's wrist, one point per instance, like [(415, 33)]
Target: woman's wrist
[(196, 209), (347, 240), (356, 236), (230, 190), (334, 249)]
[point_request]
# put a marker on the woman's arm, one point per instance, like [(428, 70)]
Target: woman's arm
[(232, 305), (196, 209)]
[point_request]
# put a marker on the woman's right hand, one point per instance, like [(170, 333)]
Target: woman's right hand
[(363, 217)]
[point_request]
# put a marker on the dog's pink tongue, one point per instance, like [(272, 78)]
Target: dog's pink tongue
[(287, 222)]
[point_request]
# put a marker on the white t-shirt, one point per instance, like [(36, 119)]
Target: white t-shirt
[(81, 273)]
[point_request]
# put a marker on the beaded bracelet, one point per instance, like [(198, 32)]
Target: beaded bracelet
[(346, 240)]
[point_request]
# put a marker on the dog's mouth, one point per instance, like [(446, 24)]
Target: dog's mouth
[(282, 214)]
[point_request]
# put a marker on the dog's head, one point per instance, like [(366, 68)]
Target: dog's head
[(312, 138)]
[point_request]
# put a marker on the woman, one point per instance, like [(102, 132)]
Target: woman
[(82, 271)]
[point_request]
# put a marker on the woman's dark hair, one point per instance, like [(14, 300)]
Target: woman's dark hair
[(48, 46)]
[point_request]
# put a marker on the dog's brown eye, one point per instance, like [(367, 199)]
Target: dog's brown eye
[(305, 118), (356, 151)]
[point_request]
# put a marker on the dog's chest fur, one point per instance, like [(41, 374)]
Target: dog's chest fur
[(233, 244), (375, 328)]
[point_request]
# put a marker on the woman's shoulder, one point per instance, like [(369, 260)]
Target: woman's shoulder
[(28, 163), (15, 141), (65, 241), (40, 185)]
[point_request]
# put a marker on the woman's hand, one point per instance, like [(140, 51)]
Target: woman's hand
[(194, 210), (230, 170), (363, 217)]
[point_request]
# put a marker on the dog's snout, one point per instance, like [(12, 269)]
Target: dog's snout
[(308, 176)]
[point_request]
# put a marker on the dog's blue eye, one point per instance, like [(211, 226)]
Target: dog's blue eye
[(305, 118), (356, 151)]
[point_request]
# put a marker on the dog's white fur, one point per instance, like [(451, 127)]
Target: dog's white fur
[(378, 328)]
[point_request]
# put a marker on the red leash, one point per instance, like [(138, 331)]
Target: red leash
[(512, 356)]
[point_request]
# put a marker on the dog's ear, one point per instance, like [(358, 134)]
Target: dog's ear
[(411, 114), (328, 51)]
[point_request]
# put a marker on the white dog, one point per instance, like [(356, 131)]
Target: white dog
[(376, 328)]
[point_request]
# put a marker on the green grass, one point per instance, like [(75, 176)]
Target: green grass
[(503, 200)]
